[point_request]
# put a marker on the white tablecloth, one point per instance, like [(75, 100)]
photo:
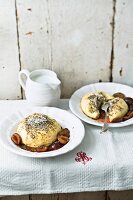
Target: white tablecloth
[(111, 166)]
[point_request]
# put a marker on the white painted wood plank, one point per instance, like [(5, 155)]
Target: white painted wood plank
[(33, 25), (9, 59), (123, 43), (81, 41)]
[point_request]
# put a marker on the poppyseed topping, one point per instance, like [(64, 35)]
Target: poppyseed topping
[(95, 101), (37, 121)]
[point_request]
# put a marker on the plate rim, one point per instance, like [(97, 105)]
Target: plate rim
[(54, 153), (94, 122)]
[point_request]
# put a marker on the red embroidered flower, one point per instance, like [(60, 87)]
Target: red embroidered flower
[(82, 157)]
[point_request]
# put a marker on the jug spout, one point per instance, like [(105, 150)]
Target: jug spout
[(55, 85)]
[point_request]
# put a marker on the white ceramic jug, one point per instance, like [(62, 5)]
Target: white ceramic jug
[(42, 87)]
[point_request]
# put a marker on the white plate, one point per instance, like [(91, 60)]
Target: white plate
[(110, 88), (64, 118)]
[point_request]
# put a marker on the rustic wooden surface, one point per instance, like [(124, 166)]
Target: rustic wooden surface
[(22, 197), (34, 44), (123, 42), (71, 196), (79, 41), (52, 34), (110, 195), (9, 63), (83, 41), (121, 195)]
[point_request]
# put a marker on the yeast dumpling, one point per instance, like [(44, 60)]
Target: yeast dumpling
[(90, 104), (118, 108), (38, 129)]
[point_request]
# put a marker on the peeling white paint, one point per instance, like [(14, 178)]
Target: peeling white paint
[(73, 38)]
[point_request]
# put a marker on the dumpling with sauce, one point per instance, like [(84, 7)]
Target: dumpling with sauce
[(91, 103), (117, 109), (38, 129)]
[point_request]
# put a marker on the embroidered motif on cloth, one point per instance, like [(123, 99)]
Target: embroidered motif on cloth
[(82, 157)]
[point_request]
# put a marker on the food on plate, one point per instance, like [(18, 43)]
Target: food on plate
[(129, 101), (39, 132), (119, 94), (120, 106), (91, 103), (16, 138), (38, 129)]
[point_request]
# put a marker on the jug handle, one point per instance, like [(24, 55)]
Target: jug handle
[(21, 81)]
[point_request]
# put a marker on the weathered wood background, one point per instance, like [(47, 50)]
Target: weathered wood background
[(83, 41)]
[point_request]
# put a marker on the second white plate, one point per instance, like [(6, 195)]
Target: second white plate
[(110, 88)]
